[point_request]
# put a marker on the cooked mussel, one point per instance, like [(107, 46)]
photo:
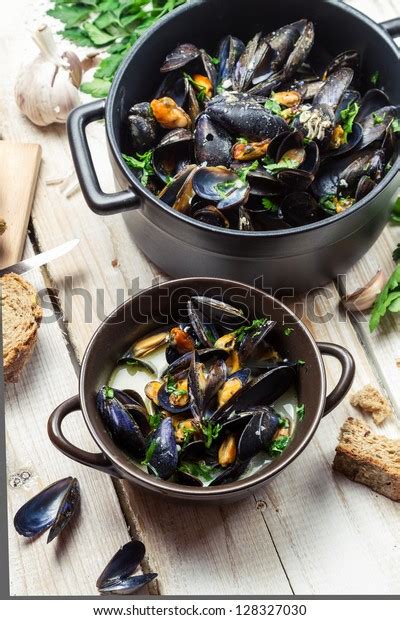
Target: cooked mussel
[(163, 449), (142, 127), (119, 576), (51, 509)]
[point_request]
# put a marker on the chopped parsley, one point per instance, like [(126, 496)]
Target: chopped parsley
[(395, 125), (395, 217), (214, 60), (288, 330), (277, 446), (300, 411), (375, 78), (257, 325), (154, 420), (149, 452), (201, 91), (172, 387), (188, 432), (143, 162), (109, 392), (210, 432), (269, 205), (226, 188), (283, 422), (327, 202), (300, 362), (378, 119), (284, 164), (273, 106), (198, 470), (347, 117)]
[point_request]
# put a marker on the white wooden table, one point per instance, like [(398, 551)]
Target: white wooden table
[(309, 532)]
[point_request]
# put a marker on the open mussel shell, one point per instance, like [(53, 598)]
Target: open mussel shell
[(230, 474), (364, 187), (348, 58), (164, 459), (375, 125), (253, 338), (212, 216), (51, 508), (265, 389), (120, 423), (136, 363), (170, 192), (229, 394), (254, 55), (230, 49), (134, 403), (205, 332), (179, 57), (369, 162), (373, 100), (241, 115), (353, 141), (220, 312), (118, 576), (300, 208), (165, 403), (173, 153), (212, 144), (220, 185)]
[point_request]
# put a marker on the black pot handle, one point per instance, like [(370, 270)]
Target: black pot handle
[(54, 428), (392, 26), (98, 201), (346, 378)]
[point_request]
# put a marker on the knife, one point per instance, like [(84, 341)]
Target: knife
[(40, 259)]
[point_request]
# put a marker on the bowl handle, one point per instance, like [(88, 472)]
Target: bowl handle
[(98, 201), (54, 429), (392, 26), (346, 378)]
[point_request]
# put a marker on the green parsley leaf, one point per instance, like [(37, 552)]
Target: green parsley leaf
[(395, 125), (269, 205), (214, 60), (387, 300), (300, 411), (108, 66), (283, 422), (98, 37), (288, 330), (273, 106), (200, 470), (284, 164), (143, 162), (257, 325), (77, 36), (277, 446), (173, 389), (378, 119), (70, 14), (300, 362), (347, 117), (96, 88), (375, 78), (395, 216), (149, 452), (200, 90), (109, 392), (210, 432), (327, 203), (154, 420)]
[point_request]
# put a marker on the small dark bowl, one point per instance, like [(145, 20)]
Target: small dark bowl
[(159, 306)]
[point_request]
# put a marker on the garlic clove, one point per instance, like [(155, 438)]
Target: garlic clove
[(364, 297)]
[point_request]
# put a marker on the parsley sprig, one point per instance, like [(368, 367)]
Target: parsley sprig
[(142, 162), (348, 116), (112, 25)]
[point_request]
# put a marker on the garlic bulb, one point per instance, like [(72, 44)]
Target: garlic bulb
[(363, 298), (46, 89)]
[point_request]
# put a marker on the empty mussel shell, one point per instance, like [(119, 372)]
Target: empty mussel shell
[(265, 388), (51, 508), (220, 312), (118, 576), (179, 57), (220, 185)]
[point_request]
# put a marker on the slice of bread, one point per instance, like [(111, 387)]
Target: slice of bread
[(373, 460), (371, 401), (21, 316)]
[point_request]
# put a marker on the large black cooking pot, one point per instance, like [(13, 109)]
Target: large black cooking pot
[(302, 257)]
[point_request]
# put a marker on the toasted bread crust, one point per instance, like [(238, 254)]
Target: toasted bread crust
[(373, 460), (371, 401), (21, 315)]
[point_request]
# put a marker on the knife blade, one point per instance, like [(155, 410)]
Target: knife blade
[(40, 259)]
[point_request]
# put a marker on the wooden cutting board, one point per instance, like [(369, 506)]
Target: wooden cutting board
[(19, 169)]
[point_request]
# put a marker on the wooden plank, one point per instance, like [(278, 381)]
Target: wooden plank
[(18, 175), (71, 564)]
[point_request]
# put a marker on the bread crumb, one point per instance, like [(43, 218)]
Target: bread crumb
[(371, 401)]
